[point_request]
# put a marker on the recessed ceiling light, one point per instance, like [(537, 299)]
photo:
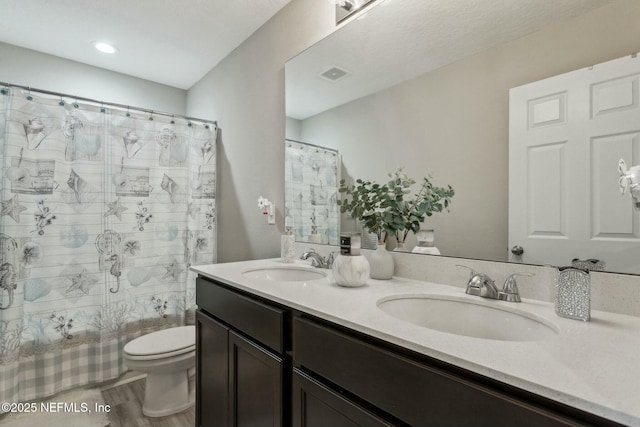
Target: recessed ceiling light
[(105, 47)]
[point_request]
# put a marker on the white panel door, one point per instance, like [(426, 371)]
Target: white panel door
[(566, 135)]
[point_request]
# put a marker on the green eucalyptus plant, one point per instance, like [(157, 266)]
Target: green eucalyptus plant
[(368, 203), (383, 210)]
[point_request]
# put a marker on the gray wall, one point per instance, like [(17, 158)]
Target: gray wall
[(38, 70), (453, 123), (245, 93)]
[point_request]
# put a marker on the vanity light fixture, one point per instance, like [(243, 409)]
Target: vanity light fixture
[(105, 47)]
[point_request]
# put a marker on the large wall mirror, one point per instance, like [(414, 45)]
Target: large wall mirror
[(425, 85)]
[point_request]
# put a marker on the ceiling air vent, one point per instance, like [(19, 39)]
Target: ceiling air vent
[(334, 74)]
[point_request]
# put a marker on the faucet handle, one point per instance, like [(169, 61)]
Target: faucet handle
[(479, 284), (509, 291)]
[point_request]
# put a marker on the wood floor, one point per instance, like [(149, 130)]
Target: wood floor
[(126, 409)]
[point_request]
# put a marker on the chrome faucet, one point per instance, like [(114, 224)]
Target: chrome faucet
[(318, 260), (481, 285)]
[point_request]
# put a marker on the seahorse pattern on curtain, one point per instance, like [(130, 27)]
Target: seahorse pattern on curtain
[(311, 187), (103, 212)]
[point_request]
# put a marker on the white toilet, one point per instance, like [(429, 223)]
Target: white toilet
[(166, 357)]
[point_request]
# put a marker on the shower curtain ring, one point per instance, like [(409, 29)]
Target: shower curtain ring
[(61, 103), (29, 97), (151, 116), (128, 113), (173, 121)]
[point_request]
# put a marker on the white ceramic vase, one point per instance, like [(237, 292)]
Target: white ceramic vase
[(350, 271), (381, 263)]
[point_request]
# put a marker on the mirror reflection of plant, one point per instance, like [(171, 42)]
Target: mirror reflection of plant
[(367, 205), (383, 210), (428, 200)]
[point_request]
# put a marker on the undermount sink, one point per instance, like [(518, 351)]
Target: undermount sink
[(285, 274), (462, 316)]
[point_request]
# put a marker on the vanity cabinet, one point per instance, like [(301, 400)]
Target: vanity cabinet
[(411, 391), (239, 360), (263, 364)]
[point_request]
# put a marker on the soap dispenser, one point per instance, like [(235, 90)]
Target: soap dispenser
[(287, 245), (350, 268), (573, 293)]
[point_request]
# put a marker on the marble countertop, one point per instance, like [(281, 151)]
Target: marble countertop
[(593, 366)]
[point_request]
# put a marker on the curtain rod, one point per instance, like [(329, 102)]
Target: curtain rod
[(312, 145), (109, 104)]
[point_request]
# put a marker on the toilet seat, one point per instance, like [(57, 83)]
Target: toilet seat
[(162, 344)]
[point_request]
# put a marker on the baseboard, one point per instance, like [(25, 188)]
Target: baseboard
[(126, 378)]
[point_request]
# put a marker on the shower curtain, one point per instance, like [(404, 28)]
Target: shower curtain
[(312, 178), (103, 212)]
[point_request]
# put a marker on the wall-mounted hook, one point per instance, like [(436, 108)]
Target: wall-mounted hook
[(267, 209)]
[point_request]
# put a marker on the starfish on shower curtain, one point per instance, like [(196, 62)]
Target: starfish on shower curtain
[(173, 270), (115, 208), (81, 282), (13, 208)]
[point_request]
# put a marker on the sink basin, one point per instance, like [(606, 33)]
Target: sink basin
[(285, 274), (462, 316)]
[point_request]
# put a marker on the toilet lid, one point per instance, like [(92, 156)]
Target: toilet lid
[(164, 341)]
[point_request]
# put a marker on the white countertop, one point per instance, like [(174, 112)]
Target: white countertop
[(593, 366)]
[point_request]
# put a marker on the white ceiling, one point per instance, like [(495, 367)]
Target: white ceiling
[(401, 39), (174, 42)]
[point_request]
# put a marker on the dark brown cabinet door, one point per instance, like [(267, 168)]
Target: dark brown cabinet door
[(255, 384), (314, 405), (212, 365)]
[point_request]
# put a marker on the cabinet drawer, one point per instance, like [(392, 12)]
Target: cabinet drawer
[(413, 392), (315, 405), (262, 322)]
